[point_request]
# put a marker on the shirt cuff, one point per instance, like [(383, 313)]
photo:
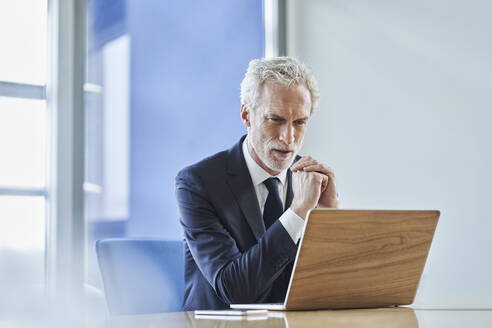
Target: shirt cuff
[(293, 223)]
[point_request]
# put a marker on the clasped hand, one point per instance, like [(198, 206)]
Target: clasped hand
[(313, 184)]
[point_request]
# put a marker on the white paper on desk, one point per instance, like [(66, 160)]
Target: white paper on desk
[(231, 312)]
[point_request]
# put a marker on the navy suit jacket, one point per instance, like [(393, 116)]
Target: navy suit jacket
[(229, 255)]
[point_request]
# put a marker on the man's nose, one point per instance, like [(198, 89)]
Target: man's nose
[(287, 135)]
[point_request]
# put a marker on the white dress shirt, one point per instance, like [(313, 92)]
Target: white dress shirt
[(289, 219)]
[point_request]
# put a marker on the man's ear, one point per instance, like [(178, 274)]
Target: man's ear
[(245, 115)]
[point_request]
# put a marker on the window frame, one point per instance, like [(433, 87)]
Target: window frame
[(66, 233), (274, 14)]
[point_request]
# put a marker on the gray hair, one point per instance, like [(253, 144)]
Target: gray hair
[(285, 70)]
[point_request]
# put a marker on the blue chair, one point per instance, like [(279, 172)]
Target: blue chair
[(142, 275)]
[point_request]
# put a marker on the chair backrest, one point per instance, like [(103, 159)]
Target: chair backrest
[(142, 275)]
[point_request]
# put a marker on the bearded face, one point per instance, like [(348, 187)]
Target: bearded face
[(276, 127)]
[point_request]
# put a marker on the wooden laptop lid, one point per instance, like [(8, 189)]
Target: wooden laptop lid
[(360, 258)]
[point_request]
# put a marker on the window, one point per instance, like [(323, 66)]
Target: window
[(23, 135)]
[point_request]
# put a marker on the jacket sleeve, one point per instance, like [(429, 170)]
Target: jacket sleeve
[(236, 277)]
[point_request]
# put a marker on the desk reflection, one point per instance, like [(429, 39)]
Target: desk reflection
[(367, 318)]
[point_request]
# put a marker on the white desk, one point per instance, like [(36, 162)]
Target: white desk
[(368, 318)]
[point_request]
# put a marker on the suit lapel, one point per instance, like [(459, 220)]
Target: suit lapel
[(242, 187)]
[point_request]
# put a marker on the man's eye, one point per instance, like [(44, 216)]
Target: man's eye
[(275, 119), (301, 122)]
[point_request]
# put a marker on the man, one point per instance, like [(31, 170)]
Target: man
[(243, 209)]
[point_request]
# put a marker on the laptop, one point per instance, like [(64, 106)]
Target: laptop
[(358, 259)]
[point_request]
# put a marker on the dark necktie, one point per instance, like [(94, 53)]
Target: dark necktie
[(273, 205)]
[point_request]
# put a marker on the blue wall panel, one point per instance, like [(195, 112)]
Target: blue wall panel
[(187, 61)]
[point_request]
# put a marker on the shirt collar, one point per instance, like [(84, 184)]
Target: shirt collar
[(257, 173)]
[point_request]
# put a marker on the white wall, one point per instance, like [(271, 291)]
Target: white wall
[(404, 119)]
